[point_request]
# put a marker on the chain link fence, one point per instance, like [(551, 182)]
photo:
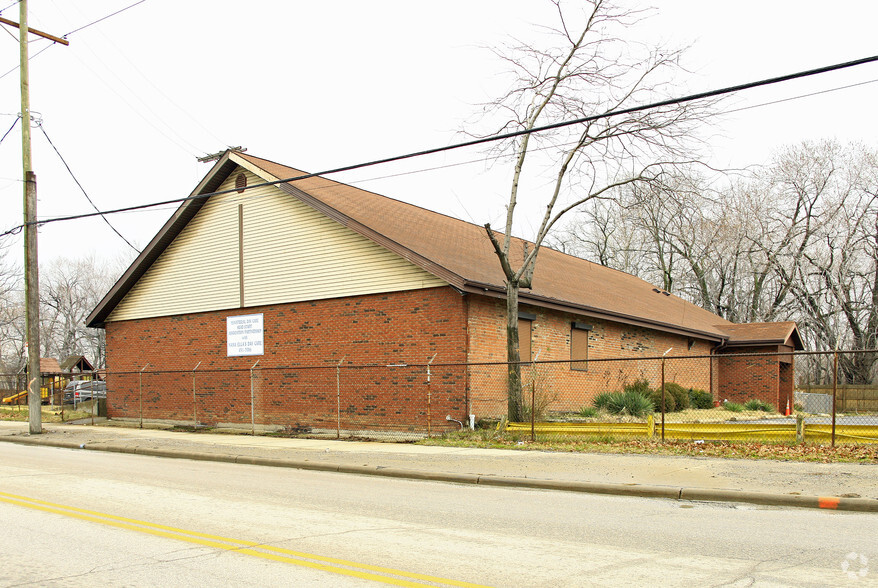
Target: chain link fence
[(763, 397)]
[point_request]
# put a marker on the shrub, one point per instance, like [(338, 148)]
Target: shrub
[(700, 398), (588, 411), (640, 386), (756, 404), (629, 402), (680, 394), (602, 400), (670, 401), (733, 406)]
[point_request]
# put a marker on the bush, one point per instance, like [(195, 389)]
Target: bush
[(602, 401), (680, 394), (629, 402), (733, 406), (756, 404), (640, 386), (670, 401), (588, 411), (700, 398)]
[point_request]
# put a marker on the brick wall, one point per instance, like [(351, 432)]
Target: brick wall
[(396, 328), (563, 388), (760, 377)]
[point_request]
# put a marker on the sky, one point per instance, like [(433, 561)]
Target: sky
[(134, 99)]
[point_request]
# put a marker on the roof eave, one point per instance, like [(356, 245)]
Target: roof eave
[(496, 291)]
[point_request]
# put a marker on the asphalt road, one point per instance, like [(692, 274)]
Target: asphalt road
[(74, 518)]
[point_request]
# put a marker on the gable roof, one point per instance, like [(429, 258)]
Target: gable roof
[(79, 362), (454, 250), (753, 334)]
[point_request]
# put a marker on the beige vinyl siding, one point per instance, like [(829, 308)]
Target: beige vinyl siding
[(198, 272), (293, 253)]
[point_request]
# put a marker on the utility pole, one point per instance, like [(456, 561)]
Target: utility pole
[(31, 273)]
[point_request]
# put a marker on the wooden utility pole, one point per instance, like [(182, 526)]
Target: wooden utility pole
[(31, 272)]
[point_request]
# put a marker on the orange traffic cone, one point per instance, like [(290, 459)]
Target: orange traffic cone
[(787, 413)]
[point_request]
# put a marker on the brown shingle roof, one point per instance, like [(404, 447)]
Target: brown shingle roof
[(454, 250), (461, 253), (49, 365), (750, 334)]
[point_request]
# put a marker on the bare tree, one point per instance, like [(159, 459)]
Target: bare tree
[(11, 309), (587, 68), (796, 239), (70, 289)]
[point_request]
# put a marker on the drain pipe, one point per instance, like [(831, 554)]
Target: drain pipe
[(252, 404), (448, 418)]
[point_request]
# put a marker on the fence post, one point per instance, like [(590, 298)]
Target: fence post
[(834, 391), (94, 396), (429, 399), (338, 399), (533, 410), (252, 403), (194, 399), (663, 392), (140, 383)]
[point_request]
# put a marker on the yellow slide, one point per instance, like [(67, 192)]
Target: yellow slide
[(44, 393)]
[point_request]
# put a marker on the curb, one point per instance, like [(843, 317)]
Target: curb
[(639, 490)]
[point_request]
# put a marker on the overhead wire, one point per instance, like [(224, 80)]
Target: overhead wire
[(6, 134), (84, 193), (492, 138), (478, 141), (10, 6), (103, 18), (67, 34)]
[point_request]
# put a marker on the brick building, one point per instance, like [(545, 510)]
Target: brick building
[(326, 274)]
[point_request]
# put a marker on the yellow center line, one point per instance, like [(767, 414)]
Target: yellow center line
[(278, 554)]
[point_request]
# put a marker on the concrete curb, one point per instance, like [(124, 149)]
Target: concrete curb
[(641, 490)]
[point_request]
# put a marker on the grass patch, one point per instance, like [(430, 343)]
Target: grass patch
[(587, 412), (733, 407), (756, 404), (630, 402), (49, 414), (842, 453)]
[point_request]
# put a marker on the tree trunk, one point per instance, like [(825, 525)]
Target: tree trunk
[(515, 412)]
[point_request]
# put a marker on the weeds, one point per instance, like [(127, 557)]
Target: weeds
[(756, 404), (588, 412), (630, 402), (733, 406)]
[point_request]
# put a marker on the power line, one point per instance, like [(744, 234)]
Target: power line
[(799, 96), (480, 141), (104, 18), (84, 193), (10, 6), (15, 122), (70, 33)]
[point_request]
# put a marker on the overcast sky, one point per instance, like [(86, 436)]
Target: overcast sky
[(315, 85)]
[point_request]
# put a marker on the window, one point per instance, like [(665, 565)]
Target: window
[(579, 346), (525, 331)]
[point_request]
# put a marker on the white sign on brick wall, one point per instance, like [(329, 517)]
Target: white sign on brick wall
[(244, 335)]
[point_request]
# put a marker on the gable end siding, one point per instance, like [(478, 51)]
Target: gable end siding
[(291, 253)]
